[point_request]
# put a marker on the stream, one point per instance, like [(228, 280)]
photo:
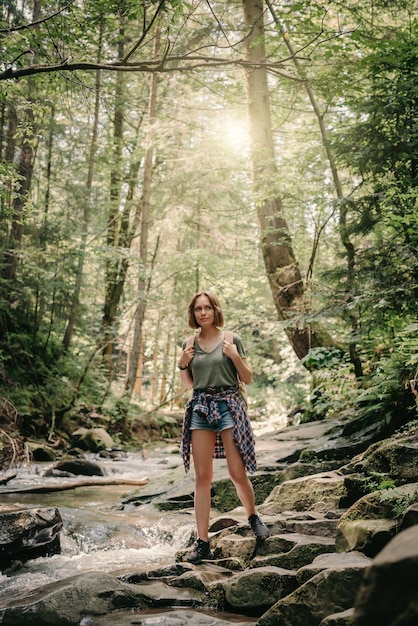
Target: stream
[(98, 533), (101, 534)]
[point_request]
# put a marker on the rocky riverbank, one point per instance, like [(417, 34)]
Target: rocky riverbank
[(341, 505)]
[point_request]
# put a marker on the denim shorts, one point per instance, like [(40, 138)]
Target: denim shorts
[(227, 421)]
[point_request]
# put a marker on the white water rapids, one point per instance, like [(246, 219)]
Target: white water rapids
[(98, 534)]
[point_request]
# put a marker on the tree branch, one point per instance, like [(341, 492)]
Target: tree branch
[(87, 482), (145, 32), (187, 63), (6, 31)]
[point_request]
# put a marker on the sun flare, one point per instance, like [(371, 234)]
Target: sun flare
[(232, 131)]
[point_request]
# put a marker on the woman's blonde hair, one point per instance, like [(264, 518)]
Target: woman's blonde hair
[(216, 305)]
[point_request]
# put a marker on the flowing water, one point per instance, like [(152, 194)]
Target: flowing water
[(99, 533)]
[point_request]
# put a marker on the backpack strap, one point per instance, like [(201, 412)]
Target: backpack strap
[(190, 341), (229, 336)]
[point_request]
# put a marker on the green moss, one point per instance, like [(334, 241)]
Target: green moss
[(307, 456), (224, 496), (397, 503)]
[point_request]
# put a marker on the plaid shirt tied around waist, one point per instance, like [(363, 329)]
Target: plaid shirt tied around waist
[(206, 405)]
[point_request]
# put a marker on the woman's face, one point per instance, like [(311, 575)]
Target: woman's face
[(204, 312)]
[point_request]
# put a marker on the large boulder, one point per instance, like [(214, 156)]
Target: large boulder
[(318, 492), (313, 523), (234, 546), (365, 535), (82, 467), (92, 439), (28, 533), (335, 560), (370, 523), (291, 550), (394, 457), (254, 591), (42, 452), (388, 595), (330, 591), (66, 601), (72, 601)]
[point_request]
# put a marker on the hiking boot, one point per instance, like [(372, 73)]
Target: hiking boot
[(201, 552), (259, 529)]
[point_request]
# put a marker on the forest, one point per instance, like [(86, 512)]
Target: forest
[(265, 150)]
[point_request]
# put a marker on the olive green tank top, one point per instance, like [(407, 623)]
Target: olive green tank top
[(214, 369)]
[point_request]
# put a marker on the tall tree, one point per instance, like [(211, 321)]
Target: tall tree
[(117, 263), (24, 174), (75, 304), (320, 113), (282, 269), (144, 269)]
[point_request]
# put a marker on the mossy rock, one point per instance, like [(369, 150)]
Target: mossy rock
[(383, 504), (224, 496), (397, 459)]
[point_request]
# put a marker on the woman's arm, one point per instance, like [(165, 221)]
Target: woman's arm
[(186, 379), (241, 364), (184, 360)]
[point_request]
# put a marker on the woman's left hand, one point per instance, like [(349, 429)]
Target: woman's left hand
[(244, 371), (229, 349)]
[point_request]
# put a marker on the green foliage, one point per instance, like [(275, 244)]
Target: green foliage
[(386, 392), (360, 62), (322, 357), (331, 384), (379, 145), (387, 483), (375, 482), (388, 388), (39, 378), (397, 503)]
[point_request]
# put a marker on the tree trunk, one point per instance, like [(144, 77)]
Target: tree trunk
[(75, 305), (282, 269), (165, 368), (40, 302), (115, 265), (155, 355), (139, 372), (24, 170), (121, 228), (344, 235), (143, 283)]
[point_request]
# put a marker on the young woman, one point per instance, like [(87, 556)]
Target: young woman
[(215, 421)]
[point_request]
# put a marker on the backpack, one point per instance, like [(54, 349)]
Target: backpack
[(242, 388)]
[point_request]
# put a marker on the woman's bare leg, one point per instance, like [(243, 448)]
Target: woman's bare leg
[(203, 443), (237, 472)]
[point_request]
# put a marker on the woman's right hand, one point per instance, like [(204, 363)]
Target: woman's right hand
[(186, 356)]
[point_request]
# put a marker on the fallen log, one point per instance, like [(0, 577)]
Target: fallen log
[(4, 480), (80, 483)]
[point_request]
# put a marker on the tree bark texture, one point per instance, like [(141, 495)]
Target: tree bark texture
[(282, 269), (75, 305), (345, 238), (142, 283)]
